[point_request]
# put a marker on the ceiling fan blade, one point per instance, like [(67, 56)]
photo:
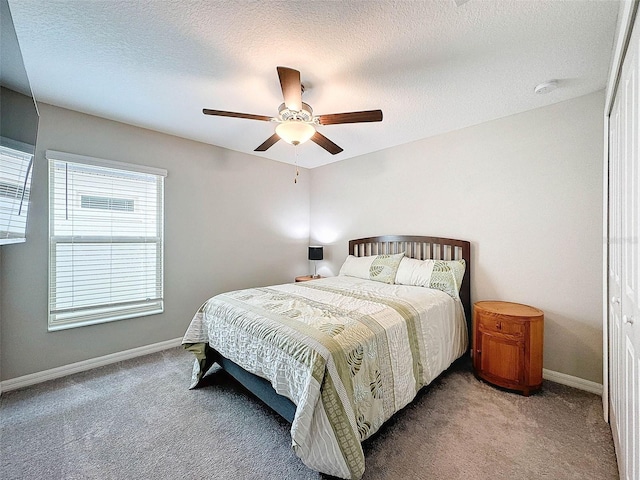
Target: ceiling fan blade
[(351, 117), (291, 87), (325, 143), (268, 143), (222, 113)]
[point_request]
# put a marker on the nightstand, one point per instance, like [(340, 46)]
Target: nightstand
[(306, 278), (507, 345)]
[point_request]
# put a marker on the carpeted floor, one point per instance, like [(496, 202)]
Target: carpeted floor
[(137, 420)]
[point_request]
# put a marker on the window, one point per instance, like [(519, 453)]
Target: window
[(16, 163), (106, 240)]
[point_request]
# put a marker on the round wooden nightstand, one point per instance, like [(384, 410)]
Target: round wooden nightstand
[(507, 345), (306, 278)]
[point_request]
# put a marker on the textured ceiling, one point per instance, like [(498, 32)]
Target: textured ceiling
[(431, 66)]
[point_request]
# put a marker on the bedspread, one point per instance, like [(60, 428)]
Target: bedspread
[(348, 352)]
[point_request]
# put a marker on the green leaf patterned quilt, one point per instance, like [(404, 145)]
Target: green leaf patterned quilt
[(348, 352)]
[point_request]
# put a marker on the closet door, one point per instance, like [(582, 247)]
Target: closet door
[(624, 272), (629, 274), (614, 268)]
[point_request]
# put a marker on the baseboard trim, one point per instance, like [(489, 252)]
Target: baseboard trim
[(571, 381), (63, 371)]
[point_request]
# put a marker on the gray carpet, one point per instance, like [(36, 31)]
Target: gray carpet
[(137, 420)]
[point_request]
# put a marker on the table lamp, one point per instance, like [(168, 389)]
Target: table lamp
[(315, 254)]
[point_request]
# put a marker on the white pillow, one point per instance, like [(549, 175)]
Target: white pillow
[(415, 272), (445, 275), (357, 266)]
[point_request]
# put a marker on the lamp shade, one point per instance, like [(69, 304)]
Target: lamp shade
[(315, 253)]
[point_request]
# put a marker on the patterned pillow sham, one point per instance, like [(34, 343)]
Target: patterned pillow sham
[(447, 276), (381, 268), (384, 268)]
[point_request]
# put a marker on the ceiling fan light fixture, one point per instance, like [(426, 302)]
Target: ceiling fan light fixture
[(296, 122), (295, 132)]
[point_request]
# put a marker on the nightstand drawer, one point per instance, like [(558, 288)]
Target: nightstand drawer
[(501, 325)]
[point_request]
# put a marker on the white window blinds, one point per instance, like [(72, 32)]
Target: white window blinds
[(15, 185), (106, 240)]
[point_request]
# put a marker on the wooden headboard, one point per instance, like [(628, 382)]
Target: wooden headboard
[(422, 248)]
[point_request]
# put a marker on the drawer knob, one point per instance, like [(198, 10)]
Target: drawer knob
[(615, 299), (499, 325), (628, 319)]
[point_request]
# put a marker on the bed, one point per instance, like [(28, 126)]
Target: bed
[(338, 356)]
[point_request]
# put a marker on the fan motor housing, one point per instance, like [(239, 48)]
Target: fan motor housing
[(303, 115)]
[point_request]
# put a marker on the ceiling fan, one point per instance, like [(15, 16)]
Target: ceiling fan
[(296, 121)]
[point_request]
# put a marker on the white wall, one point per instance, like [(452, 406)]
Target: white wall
[(231, 221), (526, 190)]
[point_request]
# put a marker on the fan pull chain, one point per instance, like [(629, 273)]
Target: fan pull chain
[(295, 179)]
